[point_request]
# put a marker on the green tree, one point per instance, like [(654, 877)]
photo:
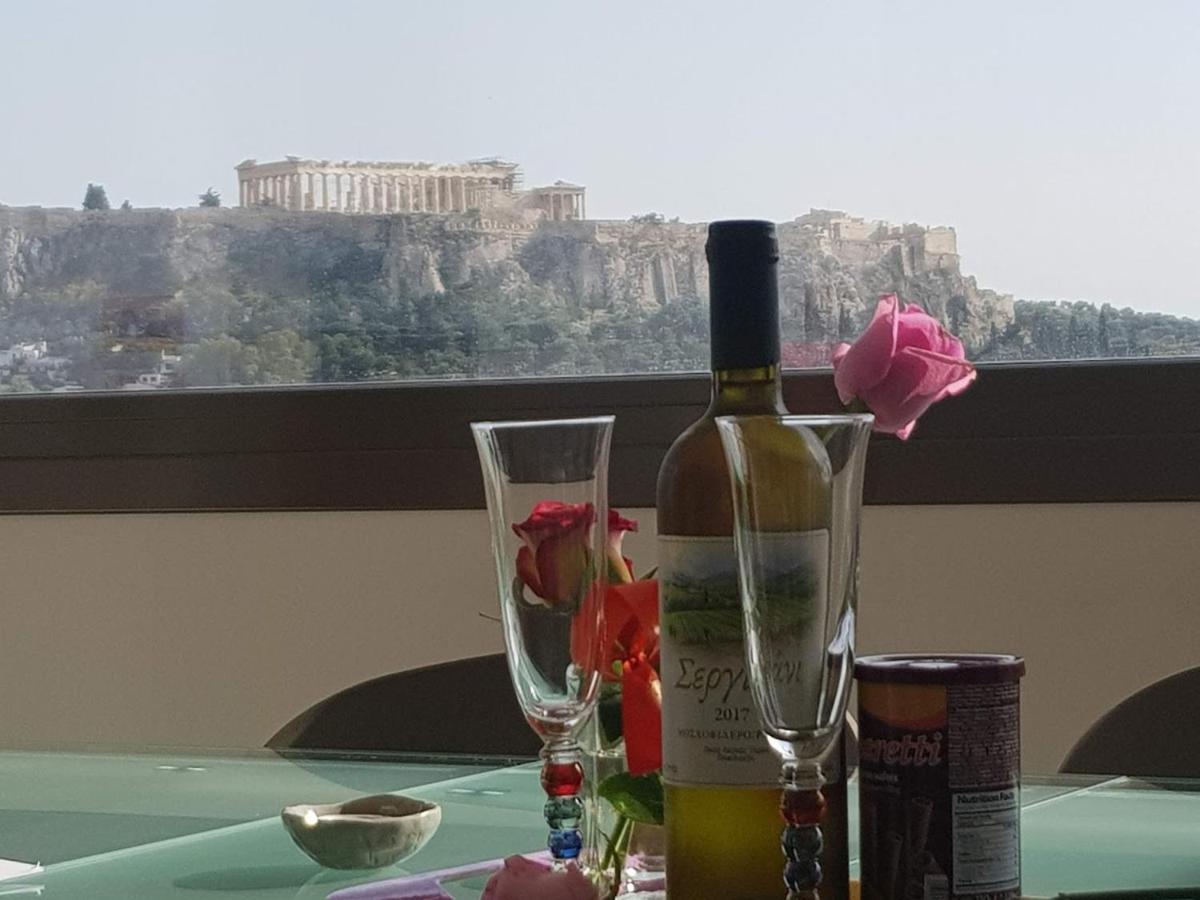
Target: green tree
[(210, 198), (126, 205), (95, 198), (284, 357), (218, 361)]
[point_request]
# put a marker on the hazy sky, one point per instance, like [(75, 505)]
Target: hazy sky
[(1061, 139)]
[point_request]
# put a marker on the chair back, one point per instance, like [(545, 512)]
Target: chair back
[(466, 706), (1153, 732)]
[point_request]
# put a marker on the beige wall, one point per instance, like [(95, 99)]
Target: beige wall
[(216, 629)]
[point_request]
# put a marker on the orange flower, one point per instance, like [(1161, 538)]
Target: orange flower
[(641, 715)]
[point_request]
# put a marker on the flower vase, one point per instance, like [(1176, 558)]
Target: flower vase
[(622, 856), (602, 758), (645, 860)]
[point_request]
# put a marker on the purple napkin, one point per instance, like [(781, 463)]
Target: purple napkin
[(425, 886)]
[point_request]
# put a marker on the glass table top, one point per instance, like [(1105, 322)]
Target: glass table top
[(206, 824)]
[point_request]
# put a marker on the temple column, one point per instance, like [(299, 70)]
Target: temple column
[(462, 195), (337, 191), (408, 184)]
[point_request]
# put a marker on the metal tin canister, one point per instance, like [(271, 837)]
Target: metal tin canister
[(939, 776)]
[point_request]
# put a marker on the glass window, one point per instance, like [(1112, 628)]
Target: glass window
[(479, 190)]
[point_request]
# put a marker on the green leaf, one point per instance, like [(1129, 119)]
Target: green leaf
[(638, 797)]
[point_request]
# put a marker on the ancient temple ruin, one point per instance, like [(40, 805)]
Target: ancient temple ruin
[(393, 187)]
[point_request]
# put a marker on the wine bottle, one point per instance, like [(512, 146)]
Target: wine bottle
[(721, 778)]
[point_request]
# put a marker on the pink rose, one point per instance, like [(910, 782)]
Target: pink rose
[(529, 879), (902, 364)]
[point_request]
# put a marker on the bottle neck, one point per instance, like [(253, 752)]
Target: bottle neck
[(747, 392)]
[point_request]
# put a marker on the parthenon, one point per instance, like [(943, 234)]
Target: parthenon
[(393, 187)]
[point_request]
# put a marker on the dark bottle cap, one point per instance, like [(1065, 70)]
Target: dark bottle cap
[(743, 256), (940, 668)]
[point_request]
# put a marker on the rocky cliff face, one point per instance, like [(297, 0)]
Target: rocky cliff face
[(586, 275)]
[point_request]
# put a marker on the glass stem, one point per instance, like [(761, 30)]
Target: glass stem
[(802, 806), (562, 779)]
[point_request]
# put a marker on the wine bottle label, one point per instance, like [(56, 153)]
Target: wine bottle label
[(711, 731)]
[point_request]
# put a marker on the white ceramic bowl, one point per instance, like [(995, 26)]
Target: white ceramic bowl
[(364, 833)]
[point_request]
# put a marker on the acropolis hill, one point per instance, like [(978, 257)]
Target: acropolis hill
[(485, 293), (830, 268)]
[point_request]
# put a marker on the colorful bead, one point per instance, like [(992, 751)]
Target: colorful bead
[(563, 812), (802, 807), (565, 844), (802, 876), (801, 843), (561, 779)]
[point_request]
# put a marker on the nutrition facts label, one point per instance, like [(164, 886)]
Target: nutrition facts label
[(987, 842)]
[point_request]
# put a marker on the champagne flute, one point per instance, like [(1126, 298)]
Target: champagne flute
[(797, 499), (547, 496)]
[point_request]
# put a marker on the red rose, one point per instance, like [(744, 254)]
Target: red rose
[(619, 568), (556, 556)]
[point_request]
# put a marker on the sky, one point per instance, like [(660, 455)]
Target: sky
[(1061, 139)]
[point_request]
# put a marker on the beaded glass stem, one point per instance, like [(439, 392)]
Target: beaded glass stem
[(562, 780), (797, 498), (547, 486), (801, 806)]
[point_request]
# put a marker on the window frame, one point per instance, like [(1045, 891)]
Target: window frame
[(1060, 432)]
